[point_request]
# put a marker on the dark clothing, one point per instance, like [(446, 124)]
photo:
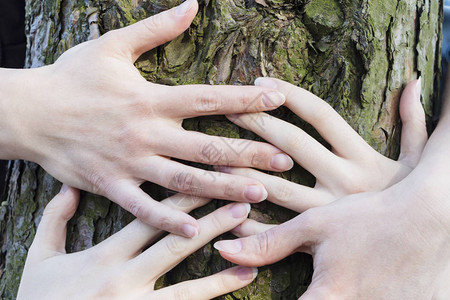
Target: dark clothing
[(12, 33), (12, 48)]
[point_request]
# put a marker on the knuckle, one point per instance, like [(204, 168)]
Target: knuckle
[(210, 154), (211, 102), (284, 192), (135, 207), (165, 223), (229, 190), (98, 183), (257, 158), (175, 245), (216, 223), (186, 183), (153, 23), (222, 283), (132, 138), (263, 242), (182, 293)]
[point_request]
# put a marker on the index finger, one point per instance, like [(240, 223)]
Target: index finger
[(190, 101)]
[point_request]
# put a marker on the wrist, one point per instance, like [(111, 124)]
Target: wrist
[(17, 89)]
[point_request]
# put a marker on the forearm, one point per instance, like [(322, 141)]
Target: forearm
[(15, 87)]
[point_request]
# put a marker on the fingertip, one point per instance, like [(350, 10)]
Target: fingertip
[(187, 10), (255, 193), (246, 273), (190, 231), (266, 82), (281, 162), (65, 203)]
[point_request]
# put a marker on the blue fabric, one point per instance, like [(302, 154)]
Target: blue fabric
[(446, 41)]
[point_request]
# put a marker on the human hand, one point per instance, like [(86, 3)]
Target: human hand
[(385, 245), (352, 166), (92, 121), (117, 268)]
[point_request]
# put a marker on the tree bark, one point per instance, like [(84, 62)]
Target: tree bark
[(355, 54)]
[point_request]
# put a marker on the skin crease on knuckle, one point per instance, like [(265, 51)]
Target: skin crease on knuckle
[(186, 183), (263, 243), (209, 103), (176, 245)]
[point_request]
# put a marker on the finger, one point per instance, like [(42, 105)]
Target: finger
[(209, 287), (212, 150), (303, 148), (330, 125), (201, 100), (201, 183), (284, 192), (147, 34), (251, 227), (172, 249), (272, 245), (414, 130), (131, 240), (50, 239), (154, 213)]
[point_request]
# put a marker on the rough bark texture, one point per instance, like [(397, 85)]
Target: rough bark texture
[(356, 54)]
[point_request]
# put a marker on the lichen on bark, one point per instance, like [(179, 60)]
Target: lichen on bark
[(355, 54)]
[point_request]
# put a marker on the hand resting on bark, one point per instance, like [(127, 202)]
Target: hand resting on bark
[(119, 267), (389, 244), (93, 122)]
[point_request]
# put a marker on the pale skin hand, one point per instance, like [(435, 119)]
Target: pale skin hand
[(117, 268), (352, 166), (393, 244), (92, 121)]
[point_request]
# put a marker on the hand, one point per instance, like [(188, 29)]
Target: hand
[(116, 268), (385, 245), (92, 121), (352, 166)]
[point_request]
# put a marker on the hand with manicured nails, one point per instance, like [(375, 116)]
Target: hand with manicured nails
[(393, 244), (118, 268), (92, 121), (383, 245), (351, 167)]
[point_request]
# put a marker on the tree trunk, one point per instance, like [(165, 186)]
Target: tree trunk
[(355, 54)]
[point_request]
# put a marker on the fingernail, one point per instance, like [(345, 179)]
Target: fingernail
[(282, 162), (231, 247), (184, 8), (266, 82), (255, 193), (222, 169), (273, 99), (190, 231), (419, 88), (240, 210), (245, 274), (64, 189)]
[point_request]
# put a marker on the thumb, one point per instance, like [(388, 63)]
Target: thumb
[(414, 131), (147, 34), (298, 234), (50, 237)]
